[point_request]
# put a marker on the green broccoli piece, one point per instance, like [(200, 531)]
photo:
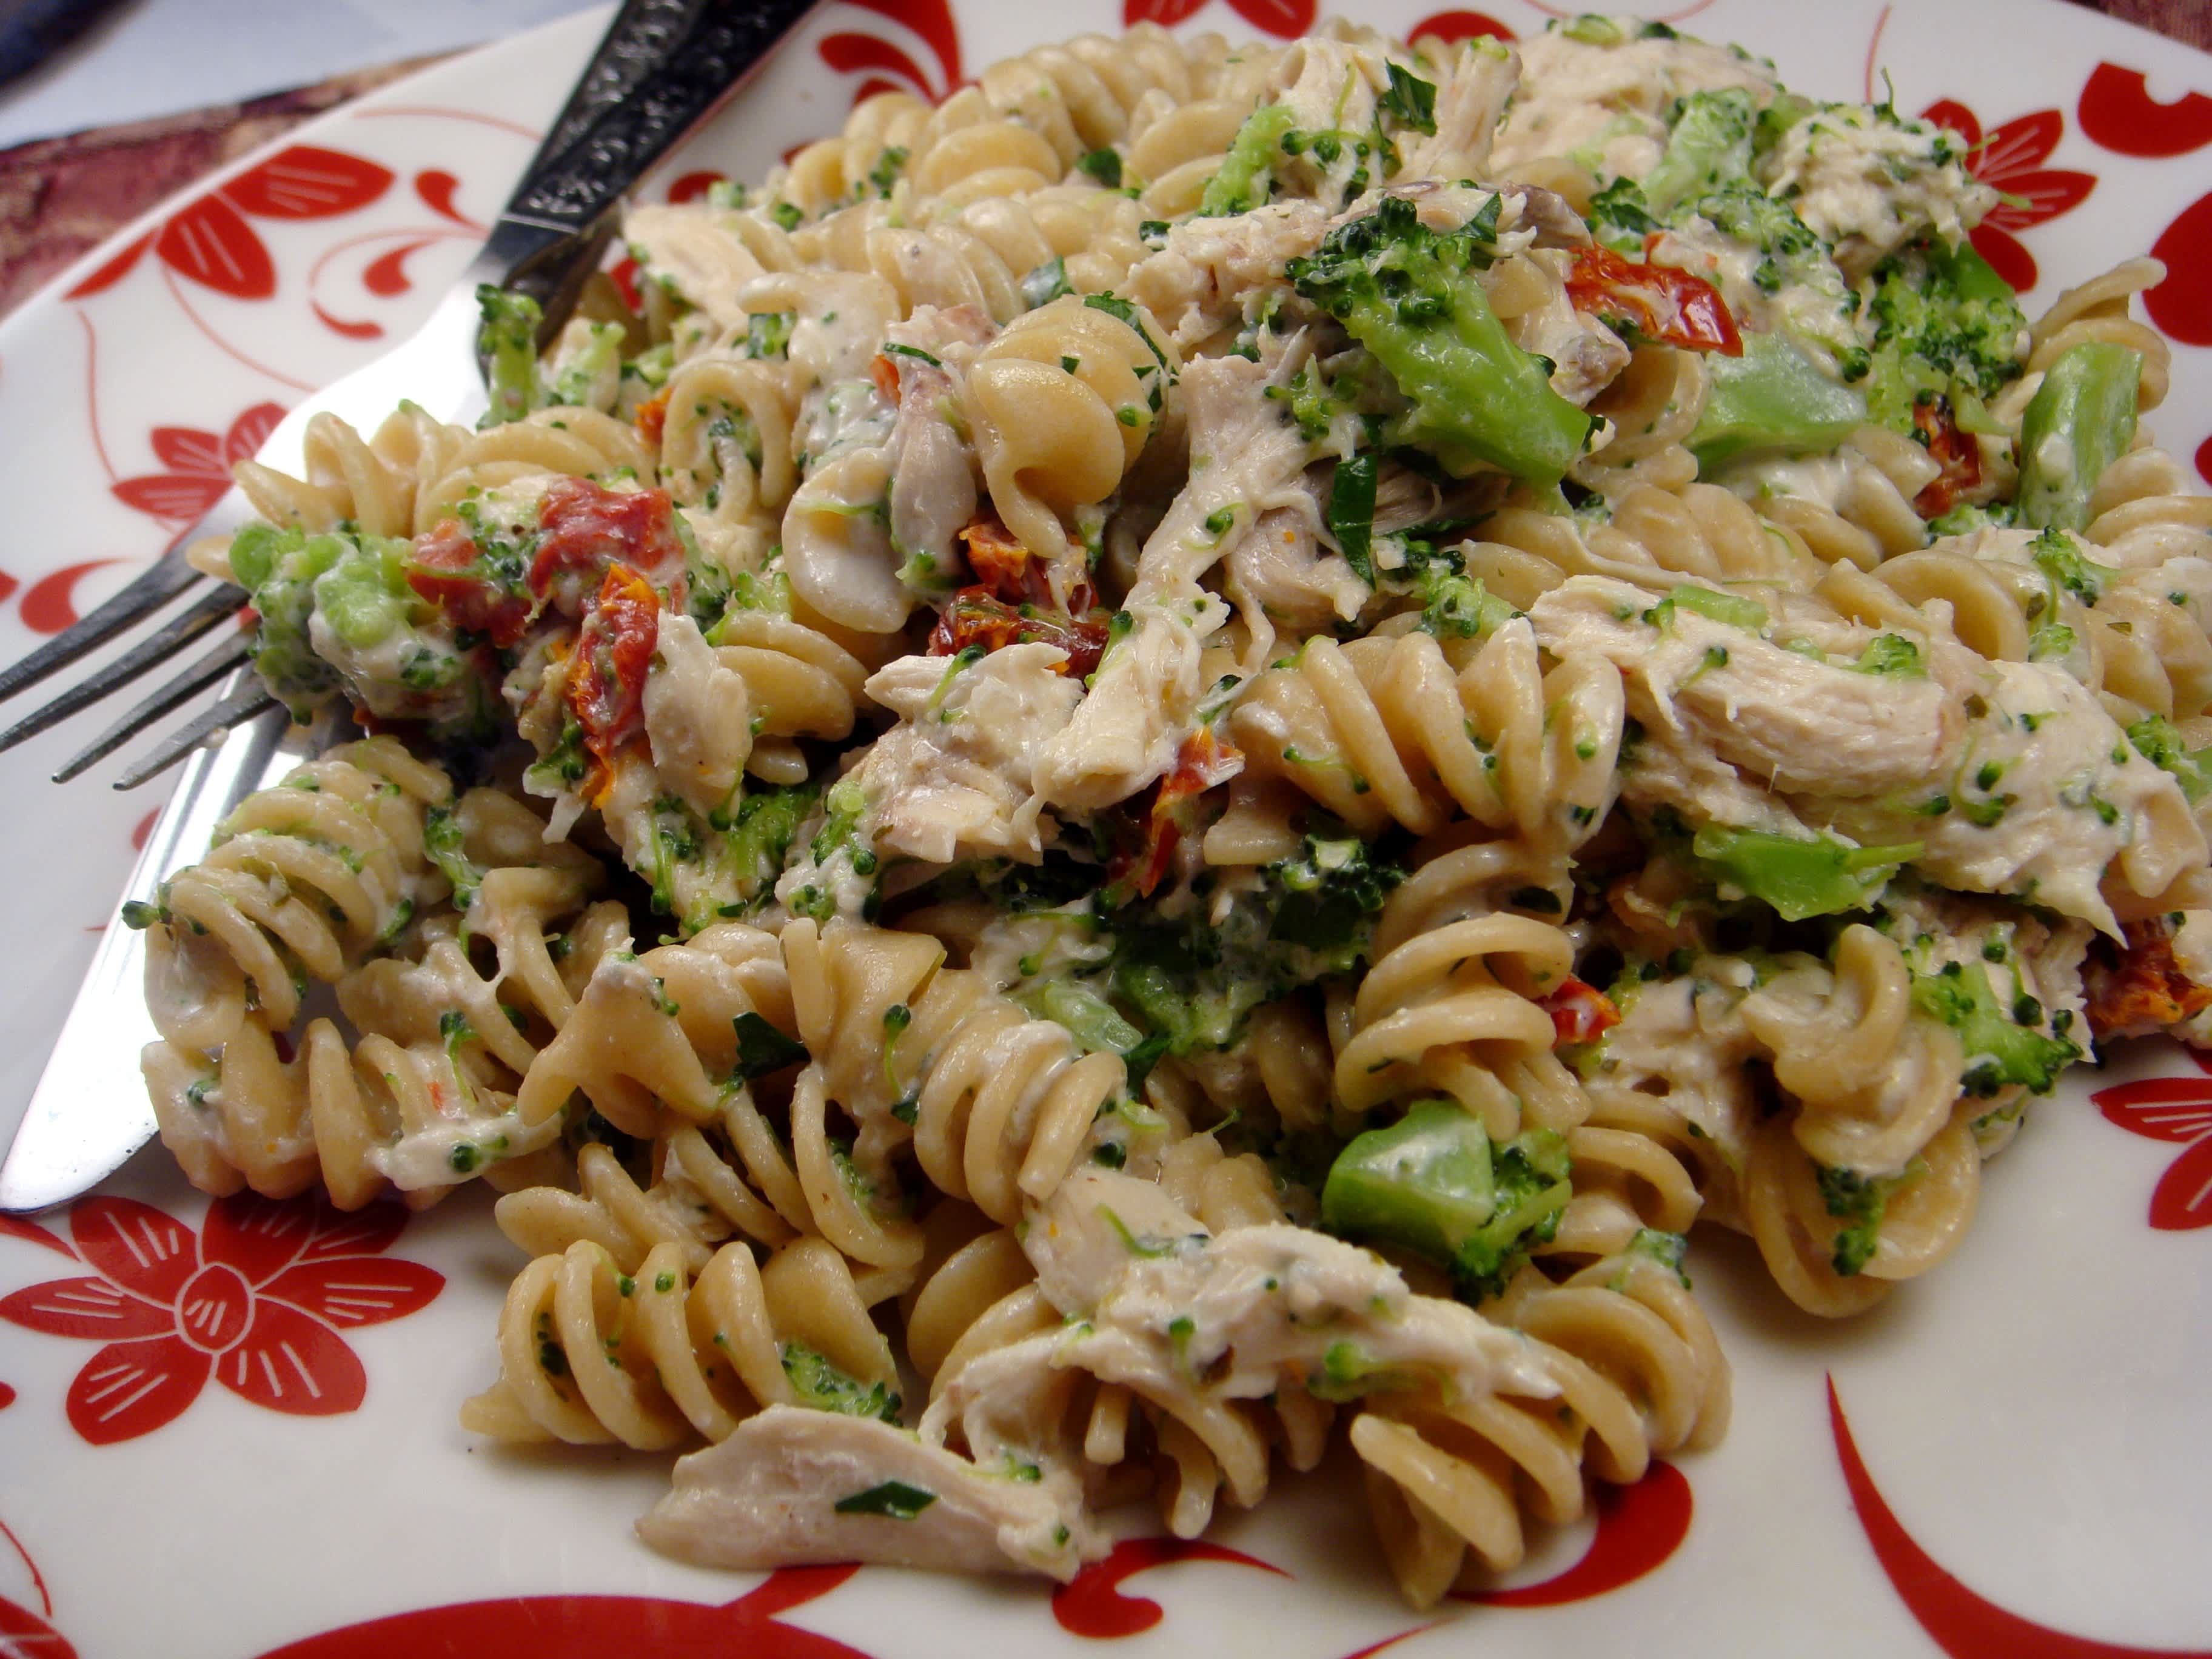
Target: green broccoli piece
[(2082, 419), (1241, 183), (1454, 606), (584, 371), (2000, 1048), (822, 1385), (1774, 398), (1710, 147), (1620, 218), (1433, 1183), (2159, 742), (1944, 324), (357, 582), (1822, 877), (759, 834), (1791, 255), (1860, 1201), (508, 344), (1411, 296), (1190, 980), (442, 845)]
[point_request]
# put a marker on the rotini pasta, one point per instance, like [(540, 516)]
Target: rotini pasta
[(1254, 774)]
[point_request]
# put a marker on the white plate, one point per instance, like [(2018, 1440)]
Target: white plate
[(2033, 1423)]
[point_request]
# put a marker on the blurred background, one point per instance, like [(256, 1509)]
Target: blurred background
[(108, 105)]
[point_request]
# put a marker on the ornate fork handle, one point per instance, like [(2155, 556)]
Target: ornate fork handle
[(663, 67)]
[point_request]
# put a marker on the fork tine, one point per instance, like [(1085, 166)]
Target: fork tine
[(168, 578), (231, 653), (248, 703), (155, 648)]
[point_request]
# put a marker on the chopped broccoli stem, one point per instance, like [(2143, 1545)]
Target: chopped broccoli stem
[(1241, 183), (1772, 398), (1413, 297), (2082, 419), (507, 343), (1799, 878), (1433, 1183), (2000, 1048)]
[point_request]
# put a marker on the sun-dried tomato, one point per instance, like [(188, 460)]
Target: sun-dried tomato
[(1662, 303), (1580, 1011), (1203, 761), (446, 567), (1009, 570), (607, 672), (885, 372), (974, 617), (588, 528), (652, 417), (1954, 450), (2142, 989)]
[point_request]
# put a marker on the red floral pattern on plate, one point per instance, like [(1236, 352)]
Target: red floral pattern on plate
[(256, 1300), (1963, 1625), (1285, 19), (1639, 1528), (1093, 1604), (210, 241), (2010, 159), (2174, 1109), (198, 465), (25, 1634), (877, 57), (594, 1626), (1459, 26), (2117, 112)]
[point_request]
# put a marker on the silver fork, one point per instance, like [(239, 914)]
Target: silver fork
[(662, 67)]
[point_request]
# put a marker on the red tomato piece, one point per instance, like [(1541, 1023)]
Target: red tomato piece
[(587, 529), (606, 674), (447, 569), (2142, 989), (1203, 761), (1954, 451), (1661, 302), (974, 617), (1580, 1012), (885, 372)]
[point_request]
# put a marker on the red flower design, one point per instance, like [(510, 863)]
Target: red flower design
[(1093, 1604), (1282, 18), (2010, 159), (588, 1626), (208, 240), (2117, 112), (2178, 1109), (199, 464), (1459, 26), (1963, 1625), (256, 1300)]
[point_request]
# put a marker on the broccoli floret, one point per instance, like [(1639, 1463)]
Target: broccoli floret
[(1859, 1201), (2000, 1048), (1792, 257), (824, 1387), (1412, 297), (2159, 742), (761, 832), (508, 344), (1458, 607), (1944, 324), (1710, 147), (356, 582), (1620, 218), (1433, 1183), (1192, 979), (1243, 182)]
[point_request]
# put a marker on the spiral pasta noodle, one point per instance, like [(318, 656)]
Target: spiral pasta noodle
[(1640, 1374), (592, 1355)]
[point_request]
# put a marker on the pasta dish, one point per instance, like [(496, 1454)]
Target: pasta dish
[(1175, 759)]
